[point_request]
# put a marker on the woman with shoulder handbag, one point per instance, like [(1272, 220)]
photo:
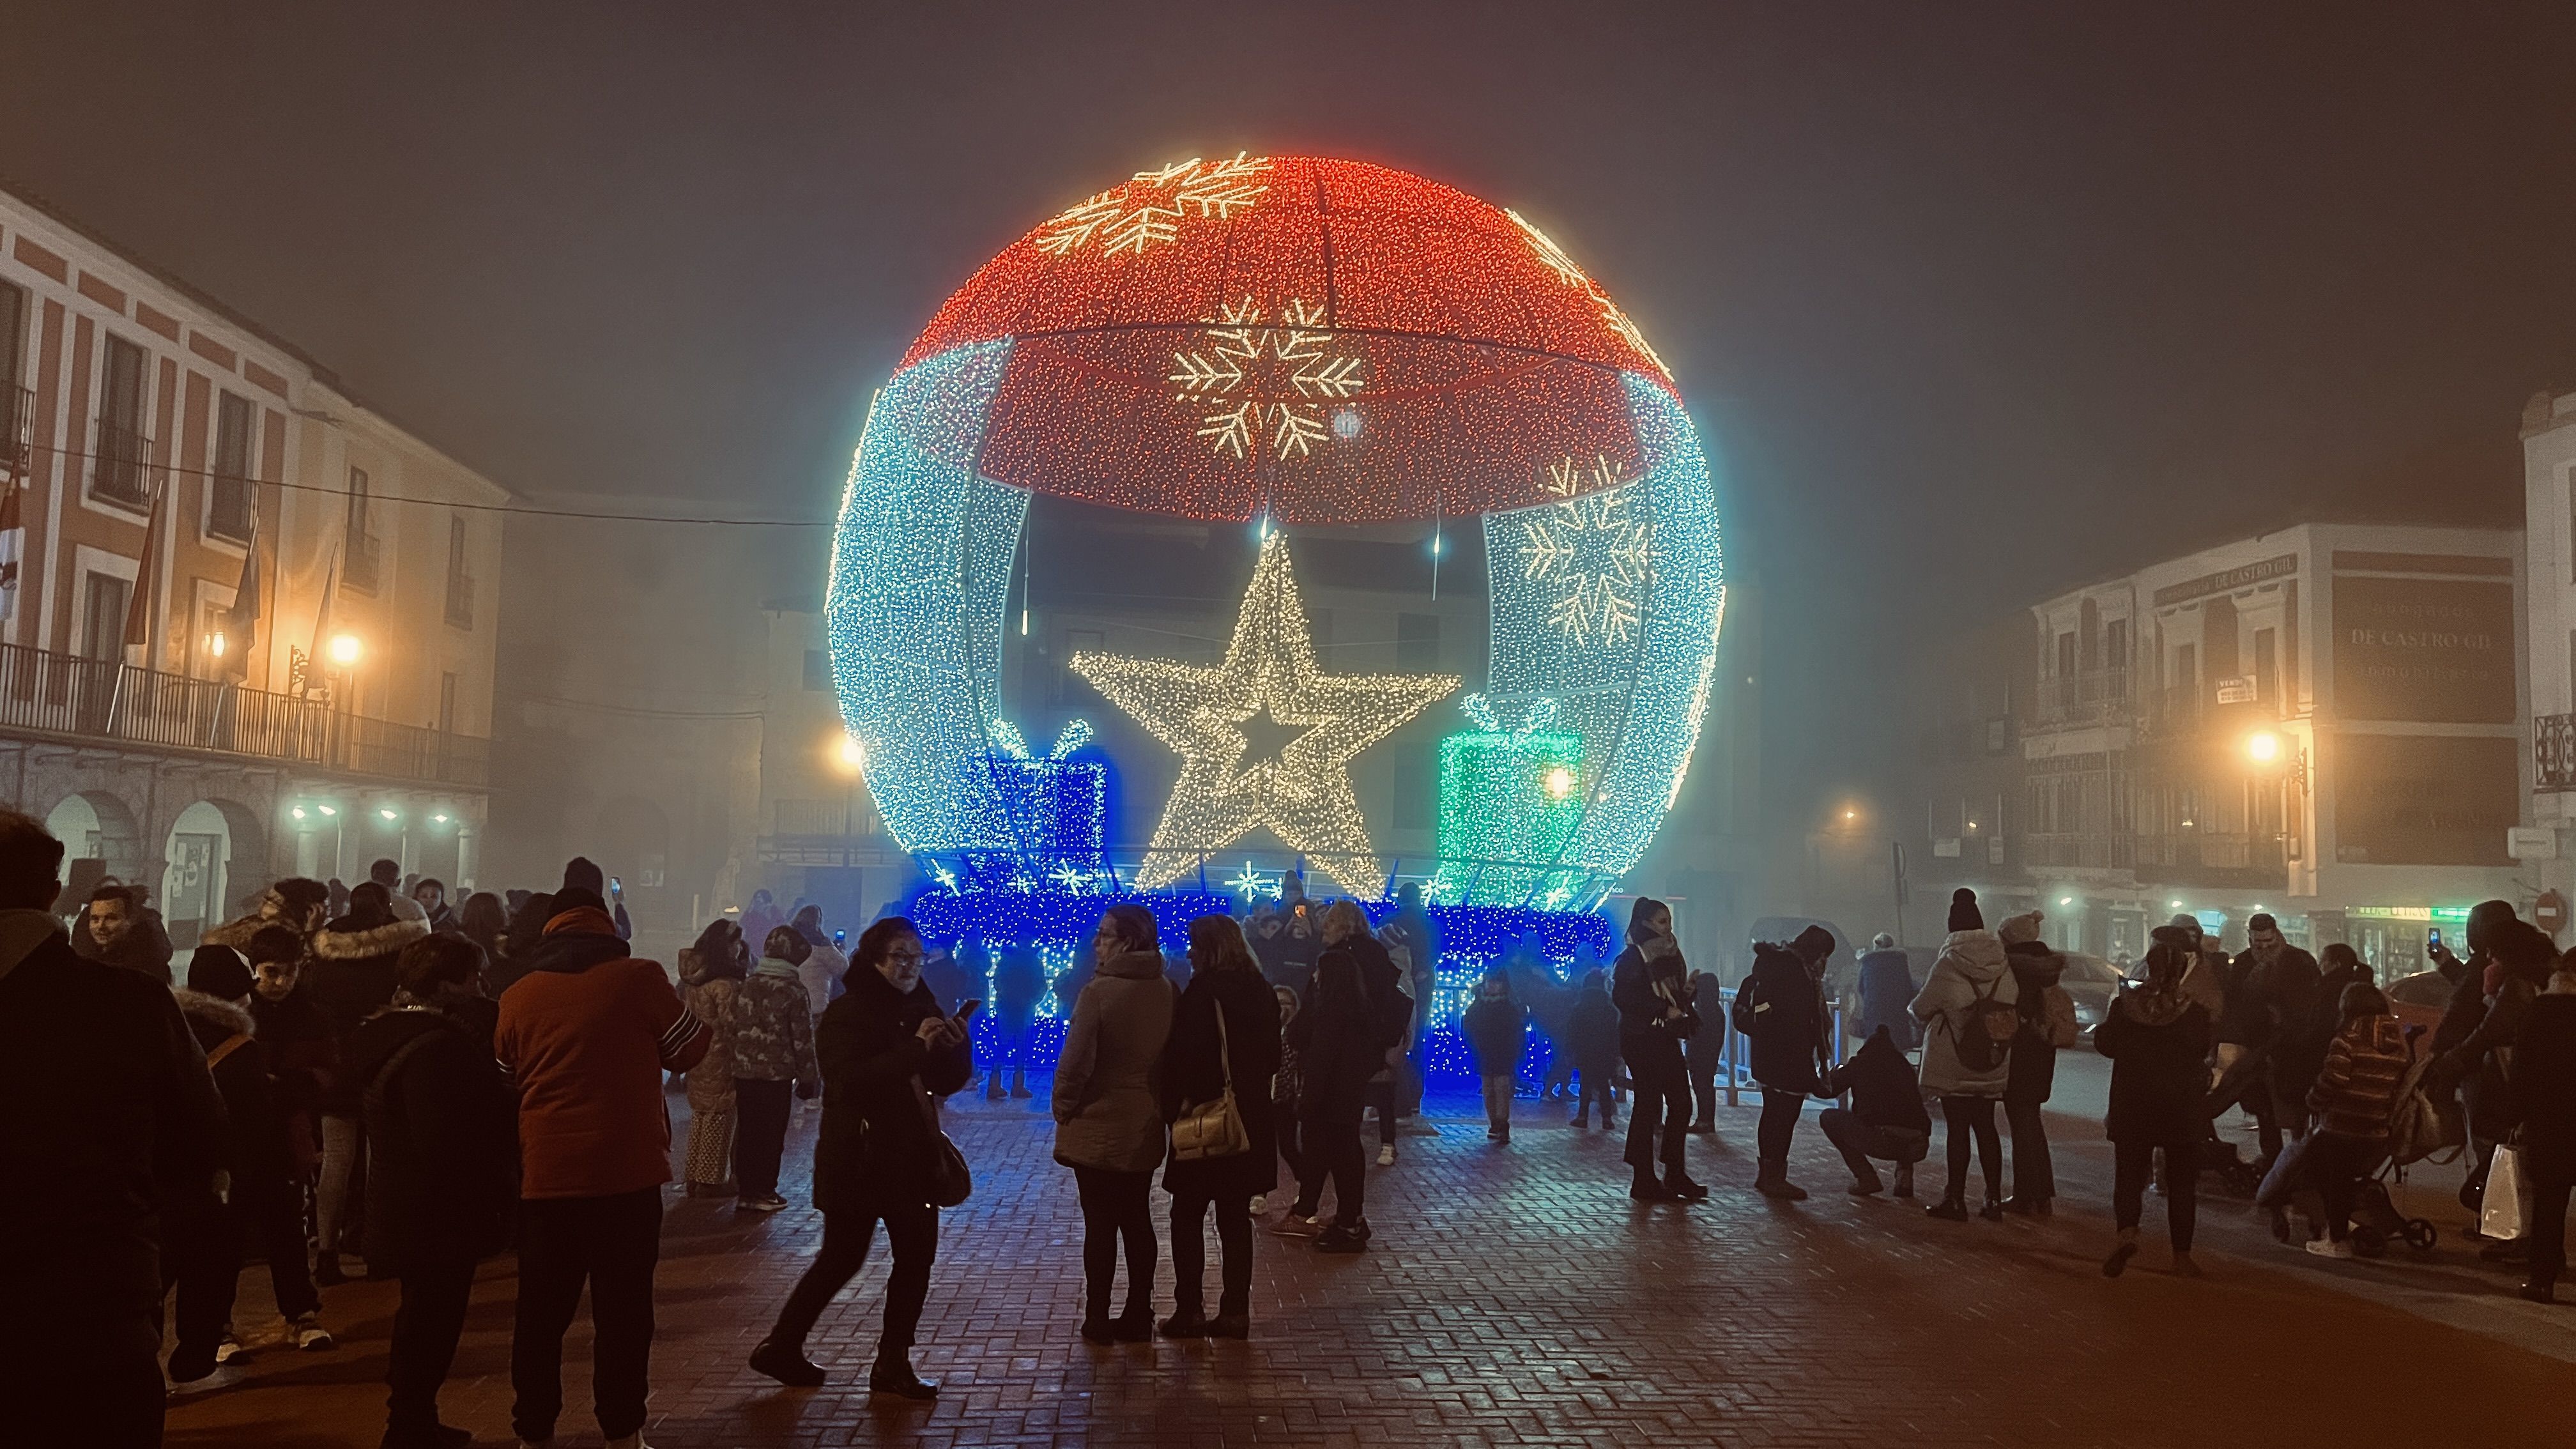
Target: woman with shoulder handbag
[(1217, 1066), (886, 1048)]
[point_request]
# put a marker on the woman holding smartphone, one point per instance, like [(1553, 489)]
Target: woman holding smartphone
[(882, 1045)]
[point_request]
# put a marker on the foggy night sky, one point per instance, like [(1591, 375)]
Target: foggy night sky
[(1977, 302)]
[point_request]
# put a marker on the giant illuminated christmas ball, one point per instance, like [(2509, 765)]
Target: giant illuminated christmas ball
[(1288, 342)]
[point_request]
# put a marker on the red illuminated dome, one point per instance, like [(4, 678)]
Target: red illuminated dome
[(1329, 340)]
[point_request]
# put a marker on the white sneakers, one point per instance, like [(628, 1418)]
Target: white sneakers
[(1386, 1155), (2329, 1248), (306, 1333), (1260, 1203)]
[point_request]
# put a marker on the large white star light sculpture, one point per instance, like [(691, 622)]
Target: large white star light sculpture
[(1265, 738)]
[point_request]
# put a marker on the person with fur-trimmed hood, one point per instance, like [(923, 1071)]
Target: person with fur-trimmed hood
[(1967, 1060), (203, 1232), (352, 975), (295, 903)]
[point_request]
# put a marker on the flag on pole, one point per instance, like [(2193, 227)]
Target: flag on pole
[(241, 624), (13, 547), (138, 605), (313, 660)]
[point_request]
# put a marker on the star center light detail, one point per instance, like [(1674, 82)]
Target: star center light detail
[(1268, 682), (1149, 210), (1591, 552), (1269, 384)]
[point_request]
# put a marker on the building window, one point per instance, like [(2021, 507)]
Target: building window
[(228, 506), (460, 584), (447, 704), (2267, 656), (358, 550), (2066, 655), (103, 616), (2115, 645), (818, 671), (17, 404), (120, 470), (1417, 641)]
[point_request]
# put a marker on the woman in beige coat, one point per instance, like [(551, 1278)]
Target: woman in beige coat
[(1109, 1116)]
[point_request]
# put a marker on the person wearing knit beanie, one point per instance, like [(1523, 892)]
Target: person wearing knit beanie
[(217, 971), (1963, 911)]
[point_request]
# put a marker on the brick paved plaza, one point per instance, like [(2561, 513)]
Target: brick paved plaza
[(1516, 1297)]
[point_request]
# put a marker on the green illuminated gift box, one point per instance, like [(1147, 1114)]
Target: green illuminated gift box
[(1510, 801)]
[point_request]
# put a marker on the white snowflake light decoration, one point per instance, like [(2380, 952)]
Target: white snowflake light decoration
[(1591, 552), (1573, 276), (1268, 380), (1150, 209)]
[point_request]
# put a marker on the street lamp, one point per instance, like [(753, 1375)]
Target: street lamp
[(2263, 747), (849, 756), (346, 649)]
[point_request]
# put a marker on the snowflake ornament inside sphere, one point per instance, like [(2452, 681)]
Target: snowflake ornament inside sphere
[(1591, 552), (1277, 378), (1151, 209)]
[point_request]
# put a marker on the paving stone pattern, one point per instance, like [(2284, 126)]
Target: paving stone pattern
[(1514, 1296)]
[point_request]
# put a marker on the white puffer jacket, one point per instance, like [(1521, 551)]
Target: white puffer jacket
[(1972, 967)]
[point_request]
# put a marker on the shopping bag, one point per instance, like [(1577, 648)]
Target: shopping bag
[(2502, 1212)]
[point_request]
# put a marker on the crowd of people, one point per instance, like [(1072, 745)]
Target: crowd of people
[(368, 1071)]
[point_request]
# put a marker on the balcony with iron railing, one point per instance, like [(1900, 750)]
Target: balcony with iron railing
[(2212, 858), (100, 700), (121, 466), (2553, 753), (2099, 696)]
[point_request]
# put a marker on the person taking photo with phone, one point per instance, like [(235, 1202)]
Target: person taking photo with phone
[(886, 1049)]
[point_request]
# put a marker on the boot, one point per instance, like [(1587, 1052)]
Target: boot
[(1866, 1184), (1644, 1188), (2118, 1263), (893, 1375), (1679, 1184), (1905, 1179), (1019, 1083), (1772, 1181), (1188, 1320), (1948, 1210), (785, 1361)]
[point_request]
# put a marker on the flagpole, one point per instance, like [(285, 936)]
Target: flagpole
[(138, 607)]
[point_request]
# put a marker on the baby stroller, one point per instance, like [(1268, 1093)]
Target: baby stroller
[(2375, 1220)]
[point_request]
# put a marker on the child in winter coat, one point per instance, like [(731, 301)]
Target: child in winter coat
[(2354, 1097), (1497, 1031), (1593, 1030)]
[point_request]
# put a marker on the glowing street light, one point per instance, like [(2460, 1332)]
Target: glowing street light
[(346, 650), (2263, 747), (215, 645), (390, 814), (849, 755)]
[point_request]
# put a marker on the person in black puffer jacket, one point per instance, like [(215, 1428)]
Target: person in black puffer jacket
[(1780, 1009), (1886, 1118), (1497, 1030), (1593, 1029), (2544, 1097), (1652, 987), (1200, 1065), (876, 1158), (2036, 971), (353, 973), (203, 1235), (2158, 1040), (1353, 1016), (442, 1168)]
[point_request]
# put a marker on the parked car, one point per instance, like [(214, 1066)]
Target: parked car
[(2092, 981), (2420, 999)]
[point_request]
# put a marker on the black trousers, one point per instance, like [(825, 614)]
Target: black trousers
[(611, 1243), (1703, 1063), (426, 1327), (2133, 1165), (2548, 1228), (760, 1133), (1593, 1085), (1971, 1122), (1780, 1109), (1662, 1111), (912, 1230), (2034, 1173), (1116, 1208), (1189, 1253), (1381, 1097), (201, 1258), (1283, 1117), (2333, 1165), (271, 1214), (1859, 1141), (1330, 1143)]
